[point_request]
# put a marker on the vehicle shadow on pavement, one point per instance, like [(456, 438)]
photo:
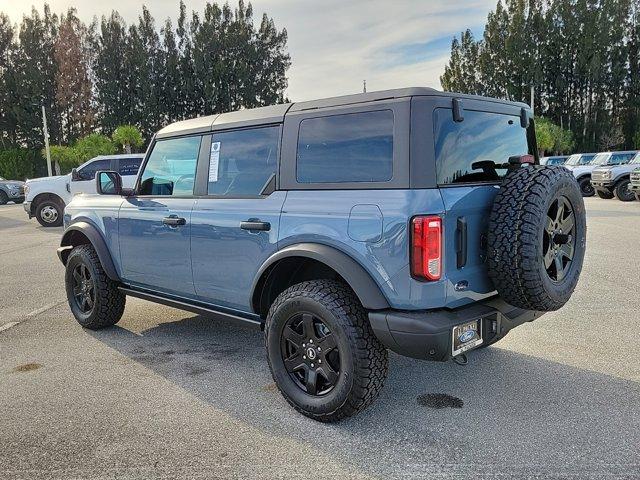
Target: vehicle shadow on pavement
[(521, 415)]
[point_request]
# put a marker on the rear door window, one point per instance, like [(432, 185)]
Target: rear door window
[(129, 166), (243, 161), (478, 148), (354, 147)]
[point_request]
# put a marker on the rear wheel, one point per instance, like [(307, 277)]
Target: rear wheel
[(323, 355), (623, 191), (49, 213), (586, 189), (94, 299), (607, 195)]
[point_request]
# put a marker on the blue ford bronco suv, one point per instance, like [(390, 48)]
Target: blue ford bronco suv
[(411, 220)]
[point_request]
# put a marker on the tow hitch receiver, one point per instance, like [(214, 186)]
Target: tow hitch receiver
[(466, 336)]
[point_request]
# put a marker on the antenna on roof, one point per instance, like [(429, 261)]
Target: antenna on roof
[(364, 86)]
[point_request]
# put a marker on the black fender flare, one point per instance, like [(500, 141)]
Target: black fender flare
[(622, 176), (97, 242), (360, 281), (584, 175)]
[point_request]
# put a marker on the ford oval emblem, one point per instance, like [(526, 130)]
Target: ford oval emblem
[(467, 336)]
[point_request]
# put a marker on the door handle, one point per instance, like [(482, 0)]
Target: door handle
[(255, 225), (461, 242), (174, 221)]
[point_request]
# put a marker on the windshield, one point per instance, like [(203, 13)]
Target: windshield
[(636, 158), (601, 159), (578, 159)]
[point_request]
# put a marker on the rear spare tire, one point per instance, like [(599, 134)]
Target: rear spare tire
[(537, 237)]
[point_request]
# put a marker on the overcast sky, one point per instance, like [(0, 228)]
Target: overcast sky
[(334, 44)]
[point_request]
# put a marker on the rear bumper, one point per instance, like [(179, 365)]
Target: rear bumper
[(427, 334), (27, 208)]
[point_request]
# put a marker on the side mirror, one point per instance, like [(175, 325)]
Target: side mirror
[(74, 175), (108, 183)]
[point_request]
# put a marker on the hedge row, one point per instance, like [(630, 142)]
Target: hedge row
[(21, 163)]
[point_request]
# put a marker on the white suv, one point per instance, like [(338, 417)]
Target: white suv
[(46, 197)]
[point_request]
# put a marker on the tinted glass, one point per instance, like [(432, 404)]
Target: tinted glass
[(243, 161), (88, 172), (356, 147), (601, 159), (171, 168), (129, 166), (478, 148), (635, 159), (620, 158)]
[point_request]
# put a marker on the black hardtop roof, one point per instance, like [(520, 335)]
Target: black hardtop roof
[(276, 113)]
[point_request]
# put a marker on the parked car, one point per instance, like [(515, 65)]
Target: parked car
[(11, 191), (343, 227), (579, 166), (556, 160), (635, 183), (46, 197), (614, 179)]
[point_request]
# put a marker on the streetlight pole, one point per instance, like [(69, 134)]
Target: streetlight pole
[(46, 141)]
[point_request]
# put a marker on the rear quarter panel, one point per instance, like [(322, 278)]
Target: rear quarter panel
[(328, 217)]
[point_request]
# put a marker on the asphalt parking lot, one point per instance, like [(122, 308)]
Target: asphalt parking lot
[(169, 394)]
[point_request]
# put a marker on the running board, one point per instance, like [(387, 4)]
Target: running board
[(198, 308)]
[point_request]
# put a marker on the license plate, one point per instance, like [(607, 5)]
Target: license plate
[(466, 336)]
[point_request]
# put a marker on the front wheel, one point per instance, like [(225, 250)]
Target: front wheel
[(623, 191), (49, 213), (94, 299), (607, 195), (325, 359), (586, 189)]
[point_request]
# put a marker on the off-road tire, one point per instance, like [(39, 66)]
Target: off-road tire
[(604, 195), (49, 204), (109, 300), (3, 198), (622, 192), (18, 202), (586, 189), (516, 235), (364, 360)]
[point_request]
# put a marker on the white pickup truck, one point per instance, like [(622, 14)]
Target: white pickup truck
[(46, 197)]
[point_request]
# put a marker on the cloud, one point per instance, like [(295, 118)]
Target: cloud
[(335, 44)]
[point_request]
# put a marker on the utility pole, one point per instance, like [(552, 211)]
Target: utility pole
[(46, 141), (364, 86), (532, 96)]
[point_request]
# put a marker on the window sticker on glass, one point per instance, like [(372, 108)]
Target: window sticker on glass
[(214, 162)]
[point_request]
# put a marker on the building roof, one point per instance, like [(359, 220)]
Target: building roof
[(276, 113)]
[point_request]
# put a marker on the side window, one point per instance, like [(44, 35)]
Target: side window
[(242, 161), (478, 148), (354, 147), (586, 159), (620, 158), (171, 168), (129, 166), (88, 172)]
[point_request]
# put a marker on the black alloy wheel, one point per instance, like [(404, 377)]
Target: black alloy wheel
[(586, 189), (558, 239), (310, 354), (83, 288)]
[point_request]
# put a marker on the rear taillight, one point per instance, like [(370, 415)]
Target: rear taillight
[(426, 248)]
